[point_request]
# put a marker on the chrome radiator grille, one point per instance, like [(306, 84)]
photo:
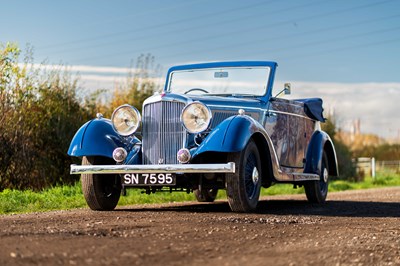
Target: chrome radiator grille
[(163, 133)]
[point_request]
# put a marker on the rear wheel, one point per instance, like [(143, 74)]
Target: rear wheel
[(243, 187), (206, 195), (317, 191), (101, 191)]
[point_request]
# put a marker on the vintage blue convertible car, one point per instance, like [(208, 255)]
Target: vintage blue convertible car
[(214, 126)]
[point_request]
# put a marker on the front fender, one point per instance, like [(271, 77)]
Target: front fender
[(321, 142), (231, 135), (95, 138)]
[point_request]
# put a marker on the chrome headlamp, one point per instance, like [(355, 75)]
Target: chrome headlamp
[(196, 117), (125, 120)]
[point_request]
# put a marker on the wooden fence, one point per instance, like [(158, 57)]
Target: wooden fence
[(368, 166), (388, 166)]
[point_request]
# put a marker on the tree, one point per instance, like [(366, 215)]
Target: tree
[(140, 84), (344, 155), (383, 152), (41, 111), (40, 114)]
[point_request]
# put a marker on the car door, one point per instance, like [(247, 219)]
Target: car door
[(286, 127)]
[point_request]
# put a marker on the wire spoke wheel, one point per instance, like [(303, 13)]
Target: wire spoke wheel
[(317, 191), (251, 176), (243, 187)]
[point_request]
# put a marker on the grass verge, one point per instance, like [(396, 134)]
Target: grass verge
[(70, 197)]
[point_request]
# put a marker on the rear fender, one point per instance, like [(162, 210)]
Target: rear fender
[(320, 142), (96, 138)]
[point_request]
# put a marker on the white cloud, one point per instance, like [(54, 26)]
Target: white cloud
[(92, 82), (85, 69), (105, 70), (375, 104), (100, 78)]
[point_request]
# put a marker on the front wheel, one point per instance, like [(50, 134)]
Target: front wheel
[(243, 187), (101, 192), (317, 191)]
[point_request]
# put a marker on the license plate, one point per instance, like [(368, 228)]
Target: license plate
[(160, 179)]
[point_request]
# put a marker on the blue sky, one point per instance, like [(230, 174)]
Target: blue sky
[(349, 47)]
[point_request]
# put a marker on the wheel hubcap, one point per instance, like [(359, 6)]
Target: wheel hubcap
[(255, 177), (325, 175)]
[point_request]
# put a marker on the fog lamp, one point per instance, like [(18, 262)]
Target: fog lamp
[(119, 154), (183, 155)]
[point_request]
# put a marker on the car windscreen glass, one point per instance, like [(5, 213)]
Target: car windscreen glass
[(221, 81)]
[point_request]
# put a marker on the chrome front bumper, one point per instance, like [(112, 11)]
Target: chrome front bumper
[(155, 168)]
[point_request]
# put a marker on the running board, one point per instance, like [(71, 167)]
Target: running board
[(304, 177)]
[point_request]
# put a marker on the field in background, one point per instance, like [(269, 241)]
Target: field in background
[(70, 197)]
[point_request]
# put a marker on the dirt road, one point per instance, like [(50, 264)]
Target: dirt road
[(352, 228)]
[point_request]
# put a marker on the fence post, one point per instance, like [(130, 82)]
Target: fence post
[(373, 167)]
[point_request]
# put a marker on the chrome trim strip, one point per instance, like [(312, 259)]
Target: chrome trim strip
[(166, 97), (235, 108), (153, 168), (292, 114), (266, 111)]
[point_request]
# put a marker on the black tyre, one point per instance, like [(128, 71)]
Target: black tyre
[(101, 192), (206, 195), (317, 191), (243, 187)]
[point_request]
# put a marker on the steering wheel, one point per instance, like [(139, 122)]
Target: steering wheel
[(195, 89)]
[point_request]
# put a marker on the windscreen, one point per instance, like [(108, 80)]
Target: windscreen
[(221, 81)]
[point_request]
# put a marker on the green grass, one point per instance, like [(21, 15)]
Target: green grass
[(57, 198), (70, 197), (381, 180)]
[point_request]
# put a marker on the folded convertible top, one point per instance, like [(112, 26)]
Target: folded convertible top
[(313, 108)]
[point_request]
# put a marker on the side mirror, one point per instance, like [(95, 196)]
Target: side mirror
[(287, 89)]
